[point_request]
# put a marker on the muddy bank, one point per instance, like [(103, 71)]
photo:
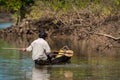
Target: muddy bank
[(102, 32)]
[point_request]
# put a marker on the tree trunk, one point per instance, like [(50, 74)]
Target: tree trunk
[(18, 18)]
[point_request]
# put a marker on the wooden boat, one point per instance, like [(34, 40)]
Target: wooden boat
[(57, 57), (62, 56)]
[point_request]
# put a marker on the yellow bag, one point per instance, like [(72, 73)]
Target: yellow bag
[(60, 53), (68, 53)]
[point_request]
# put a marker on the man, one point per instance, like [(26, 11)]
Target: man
[(40, 50)]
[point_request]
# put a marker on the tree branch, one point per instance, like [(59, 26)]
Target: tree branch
[(109, 36)]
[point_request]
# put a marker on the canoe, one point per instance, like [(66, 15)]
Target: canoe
[(60, 57)]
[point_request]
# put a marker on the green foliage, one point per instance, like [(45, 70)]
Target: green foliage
[(2, 2), (57, 7), (60, 5), (11, 4), (117, 2), (37, 10), (106, 11), (117, 5), (20, 7), (82, 3), (15, 4), (28, 2)]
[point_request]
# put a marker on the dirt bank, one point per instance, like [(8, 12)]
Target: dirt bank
[(103, 31)]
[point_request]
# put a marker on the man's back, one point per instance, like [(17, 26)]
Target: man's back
[(39, 48)]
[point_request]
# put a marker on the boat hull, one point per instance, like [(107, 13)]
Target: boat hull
[(60, 60)]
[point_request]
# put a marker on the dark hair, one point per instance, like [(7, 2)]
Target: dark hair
[(43, 35)]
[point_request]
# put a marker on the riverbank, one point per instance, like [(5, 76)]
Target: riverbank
[(102, 31), (69, 25)]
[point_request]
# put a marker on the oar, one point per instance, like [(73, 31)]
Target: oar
[(68, 53), (12, 48)]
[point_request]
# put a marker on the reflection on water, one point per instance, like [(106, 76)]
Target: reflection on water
[(40, 73), (15, 65), (68, 75), (45, 73)]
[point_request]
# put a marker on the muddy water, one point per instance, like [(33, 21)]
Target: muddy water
[(86, 64)]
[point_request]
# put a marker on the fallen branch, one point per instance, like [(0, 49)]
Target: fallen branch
[(109, 36)]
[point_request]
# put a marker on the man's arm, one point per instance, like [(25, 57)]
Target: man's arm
[(47, 49), (27, 49)]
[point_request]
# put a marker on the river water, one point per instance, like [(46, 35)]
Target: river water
[(86, 64), (16, 65), (5, 25)]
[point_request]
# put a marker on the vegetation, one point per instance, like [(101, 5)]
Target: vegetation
[(36, 8), (58, 7), (17, 7)]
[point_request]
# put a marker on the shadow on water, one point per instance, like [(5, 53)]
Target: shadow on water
[(86, 64)]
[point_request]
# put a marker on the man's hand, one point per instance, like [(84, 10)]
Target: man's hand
[(22, 49)]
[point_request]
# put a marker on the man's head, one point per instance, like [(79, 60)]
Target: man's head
[(42, 35)]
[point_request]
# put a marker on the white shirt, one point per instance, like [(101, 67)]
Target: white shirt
[(39, 48)]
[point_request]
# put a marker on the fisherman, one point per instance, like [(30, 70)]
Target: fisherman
[(40, 49)]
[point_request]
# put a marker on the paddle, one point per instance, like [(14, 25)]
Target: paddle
[(12, 48), (68, 53)]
